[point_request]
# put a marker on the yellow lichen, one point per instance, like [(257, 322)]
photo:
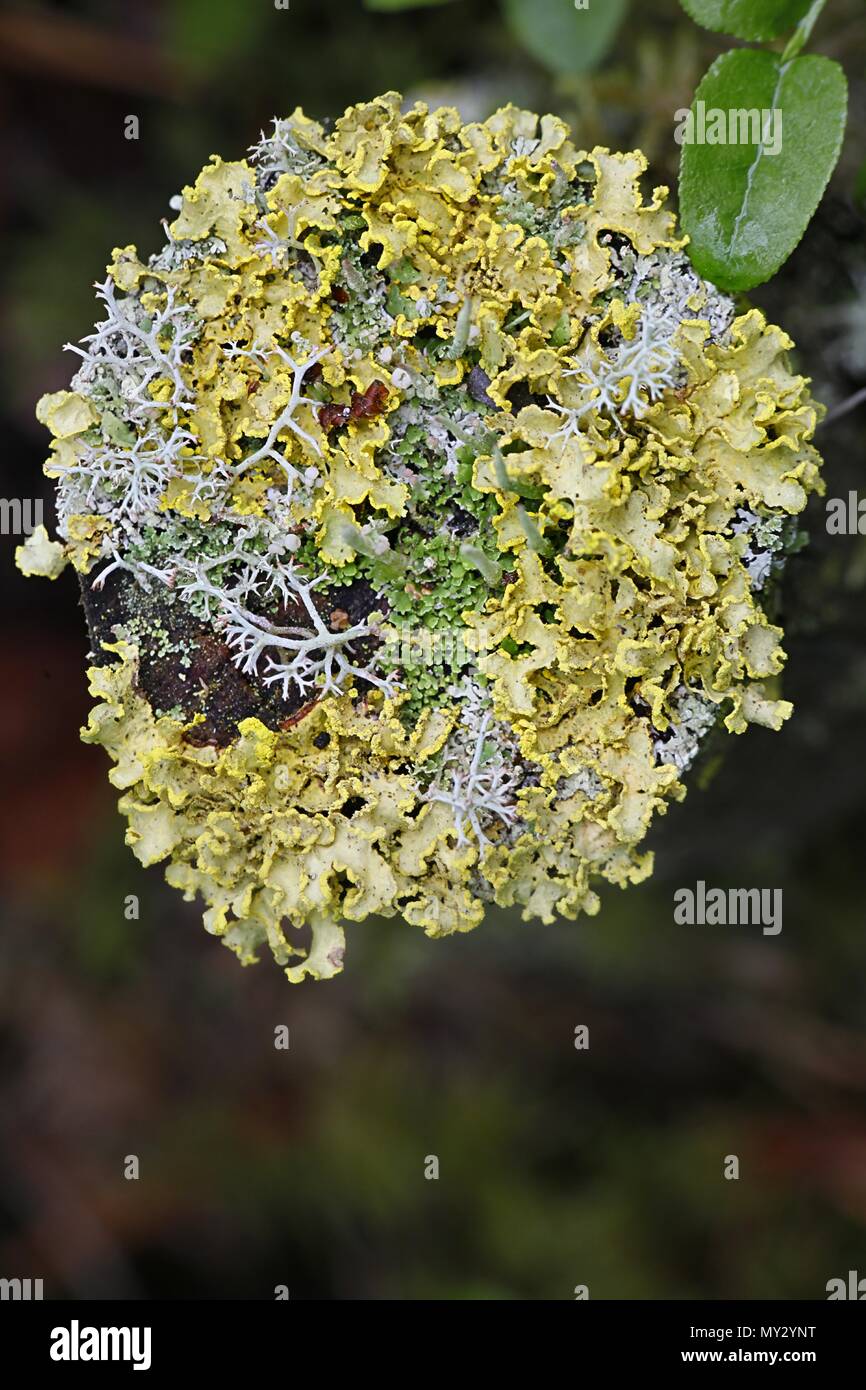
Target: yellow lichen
[(459, 378)]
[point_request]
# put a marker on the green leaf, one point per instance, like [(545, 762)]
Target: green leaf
[(403, 4), (748, 19), (745, 208), (561, 36)]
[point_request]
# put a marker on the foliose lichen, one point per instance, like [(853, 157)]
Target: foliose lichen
[(423, 499)]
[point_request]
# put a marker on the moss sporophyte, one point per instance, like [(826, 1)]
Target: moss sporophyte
[(424, 501)]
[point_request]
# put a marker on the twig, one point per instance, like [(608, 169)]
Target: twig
[(843, 408)]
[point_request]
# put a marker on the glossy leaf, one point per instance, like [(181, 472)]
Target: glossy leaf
[(748, 19), (744, 207)]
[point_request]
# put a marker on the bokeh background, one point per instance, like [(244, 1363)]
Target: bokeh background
[(305, 1167)]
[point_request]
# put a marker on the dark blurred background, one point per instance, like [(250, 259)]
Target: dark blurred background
[(305, 1167)]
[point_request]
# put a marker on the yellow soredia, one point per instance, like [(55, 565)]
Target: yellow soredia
[(426, 502)]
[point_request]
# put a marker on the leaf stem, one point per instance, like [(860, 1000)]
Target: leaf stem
[(803, 32)]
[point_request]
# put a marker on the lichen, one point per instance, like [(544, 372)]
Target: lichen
[(424, 500)]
